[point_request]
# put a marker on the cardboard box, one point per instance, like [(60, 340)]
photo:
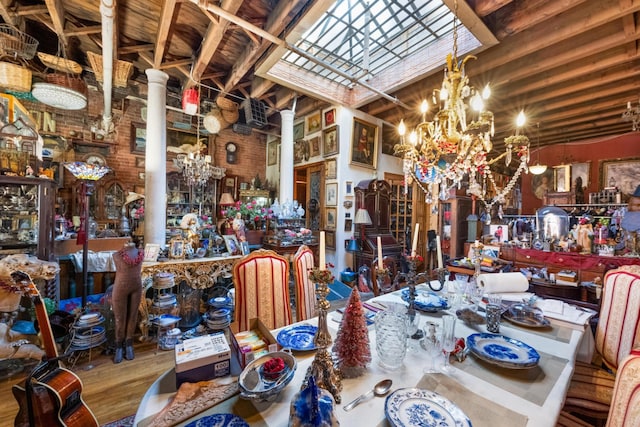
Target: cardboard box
[(247, 353), (202, 358)]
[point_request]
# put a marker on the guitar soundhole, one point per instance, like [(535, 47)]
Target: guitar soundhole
[(70, 404)]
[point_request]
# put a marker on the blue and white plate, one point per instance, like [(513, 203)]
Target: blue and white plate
[(297, 337), (427, 300), (503, 351), (413, 407), (219, 420)]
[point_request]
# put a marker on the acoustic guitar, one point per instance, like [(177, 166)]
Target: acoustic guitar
[(51, 395)]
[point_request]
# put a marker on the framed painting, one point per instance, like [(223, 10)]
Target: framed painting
[(543, 183), (176, 248), (331, 169), (140, 162), (562, 178), (330, 239), (313, 122), (348, 188), (230, 185), (621, 173), (330, 141), (499, 232), (331, 193), (364, 144), (330, 117), (314, 146), (300, 151), (233, 247), (348, 225), (272, 152), (138, 138), (298, 131), (151, 252), (580, 170), (330, 217)]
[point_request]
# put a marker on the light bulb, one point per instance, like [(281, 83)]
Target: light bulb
[(521, 119), (413, 137), (424, 107), (486, 92), (402, 128)]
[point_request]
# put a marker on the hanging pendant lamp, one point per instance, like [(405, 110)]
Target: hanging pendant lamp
[(190, 101)]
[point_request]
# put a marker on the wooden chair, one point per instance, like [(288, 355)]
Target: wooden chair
[(617, 333), (261, 281), (390, 264), (625, 401), (305, 290)]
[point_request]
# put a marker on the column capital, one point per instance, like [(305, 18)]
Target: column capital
[(156, 76), (288, 114)]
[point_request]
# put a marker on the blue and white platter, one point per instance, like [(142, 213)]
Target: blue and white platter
[(503, 351), (297, 337), (414, 407), (219, 420), (426, 300)]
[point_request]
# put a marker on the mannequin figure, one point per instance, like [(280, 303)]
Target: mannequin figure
[(127, 291)]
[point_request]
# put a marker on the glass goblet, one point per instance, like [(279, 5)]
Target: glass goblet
[(448, 339), (432, 344)]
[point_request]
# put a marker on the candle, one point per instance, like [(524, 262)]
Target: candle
[(439, 251), (323, 263), (628, 105), (380, 267), (414, 246)]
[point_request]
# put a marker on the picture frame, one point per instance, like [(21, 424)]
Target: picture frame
[(230, 185), (500, 232), (140, 161), (331, 169), (53, 147), (151, 252), (624, 172), (176, 248), (298, 131), (314, 146), (543, 183), (330, 218), (300, 151), (348, 225), (330, 240), (331, 194), (562, 178), (330, 141), (348, 188), (138, 142), (244, 246), (580, 170), (364, 144), (313, 123), (272, 152), (232, 244), (330, 117)]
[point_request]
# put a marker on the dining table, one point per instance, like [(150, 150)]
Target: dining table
[(489, 394)]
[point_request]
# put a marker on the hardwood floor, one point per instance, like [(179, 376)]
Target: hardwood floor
[(111, 391)]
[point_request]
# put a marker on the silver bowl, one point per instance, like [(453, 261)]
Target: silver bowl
[(255, 386)]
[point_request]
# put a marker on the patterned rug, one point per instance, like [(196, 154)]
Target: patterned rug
[(124, 422)]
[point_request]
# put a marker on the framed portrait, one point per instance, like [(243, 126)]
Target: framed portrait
[(331, 194), (233, 247), (348, 225), (499, 232), (151, 252), (580, 170), (348, 188), (331, 169), (313, 122), (300, 151), (330, 117), (364, 144), (330, 239), (314, 146), (298, 131), (330, 141), (272, 152), (562, 178), (140, 162), (138, 138), (330, 217), (176, 248), (622, 173), (543, 183)]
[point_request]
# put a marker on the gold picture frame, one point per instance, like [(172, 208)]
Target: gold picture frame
[(313, 122), (232, 244), (176, 248), (364, 144), (330, 218), (151, 252), (330, 141)]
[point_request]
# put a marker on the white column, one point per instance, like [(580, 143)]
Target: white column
[(286, 157), (155, 170)]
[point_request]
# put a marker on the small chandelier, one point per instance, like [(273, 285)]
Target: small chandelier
[(440, 153), (198, 169), (632, 115)]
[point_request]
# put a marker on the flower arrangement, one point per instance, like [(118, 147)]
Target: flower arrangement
[(321, 276), (250, 211)]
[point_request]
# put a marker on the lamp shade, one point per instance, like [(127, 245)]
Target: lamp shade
[(190, 101), (353, 246), (537, 169), (226, 199), (362, 217)]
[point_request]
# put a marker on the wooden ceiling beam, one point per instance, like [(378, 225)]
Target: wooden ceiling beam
[(124, 50), (7, 14), (260, 86), (483, 8), (56, 12), (83, 31), (164, 27), (32, 10)]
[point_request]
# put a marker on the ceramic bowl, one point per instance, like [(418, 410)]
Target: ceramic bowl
[(254, 385)]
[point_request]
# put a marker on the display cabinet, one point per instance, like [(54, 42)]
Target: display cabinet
[(27, 216), (452, 225), (183, 199), (407, 209)]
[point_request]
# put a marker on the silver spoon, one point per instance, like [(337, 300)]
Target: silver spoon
[(380, 389)]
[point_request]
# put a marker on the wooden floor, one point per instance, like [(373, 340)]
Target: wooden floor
[(111, 391)]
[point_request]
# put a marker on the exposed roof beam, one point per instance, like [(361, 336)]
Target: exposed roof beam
[(56, 12), (486, 7), (8, 15), (164, 26)]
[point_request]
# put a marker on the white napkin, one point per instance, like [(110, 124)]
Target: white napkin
[(503, 282), (551, 306), (560, 310), (516, 296)]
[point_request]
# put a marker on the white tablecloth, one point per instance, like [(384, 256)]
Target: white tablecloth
[(98, 261), (371, 413)]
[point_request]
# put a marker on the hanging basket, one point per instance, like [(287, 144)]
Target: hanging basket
[(65, 80), (122, 70), (15, 77), (17, 44), (226, 104), (230, 116), (59, 64)]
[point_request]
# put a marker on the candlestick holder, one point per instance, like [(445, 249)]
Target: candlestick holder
[(476, 258), (411, 277), (322, 369), (383, 280)]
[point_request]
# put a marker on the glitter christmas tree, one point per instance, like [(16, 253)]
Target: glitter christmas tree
[(351, 348)]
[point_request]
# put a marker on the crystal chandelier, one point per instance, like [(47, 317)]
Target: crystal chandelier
[(632, 115), (456, 143), (198, 169)]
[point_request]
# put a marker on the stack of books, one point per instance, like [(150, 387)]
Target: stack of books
[(567, 277)]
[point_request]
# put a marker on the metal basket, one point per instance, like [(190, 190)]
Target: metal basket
[(14, 42)]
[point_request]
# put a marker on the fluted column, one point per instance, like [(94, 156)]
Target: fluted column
[(155, 170), (286, 157)]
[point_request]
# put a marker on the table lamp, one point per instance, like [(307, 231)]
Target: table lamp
[(363, 219)]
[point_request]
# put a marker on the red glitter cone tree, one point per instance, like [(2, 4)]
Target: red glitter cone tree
[(351, 348)]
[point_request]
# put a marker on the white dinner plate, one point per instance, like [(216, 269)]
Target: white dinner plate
[(414, 407), (503, 351)]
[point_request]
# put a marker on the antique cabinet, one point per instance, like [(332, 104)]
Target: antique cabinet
[(262, 197), (27, 216), (183, 199), (452, 225), (407, 209)]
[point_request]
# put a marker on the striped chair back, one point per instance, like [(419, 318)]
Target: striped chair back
[(305, 292), (625, 403)]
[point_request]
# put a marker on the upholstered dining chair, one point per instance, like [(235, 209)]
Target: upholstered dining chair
[(617, 333), (305, 290), (625, 401), (261, 281)]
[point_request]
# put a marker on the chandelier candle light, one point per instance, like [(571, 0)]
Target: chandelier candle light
[(632, 115)]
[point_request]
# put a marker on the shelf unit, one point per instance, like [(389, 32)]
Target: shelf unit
[(401, 212), (183, 199), (452, 225)]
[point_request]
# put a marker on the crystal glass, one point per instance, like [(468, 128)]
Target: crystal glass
[(432, 344), (448, 339), (475, 295), (391, 338)]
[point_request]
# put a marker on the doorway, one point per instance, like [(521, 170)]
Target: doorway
[(307, 190)]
